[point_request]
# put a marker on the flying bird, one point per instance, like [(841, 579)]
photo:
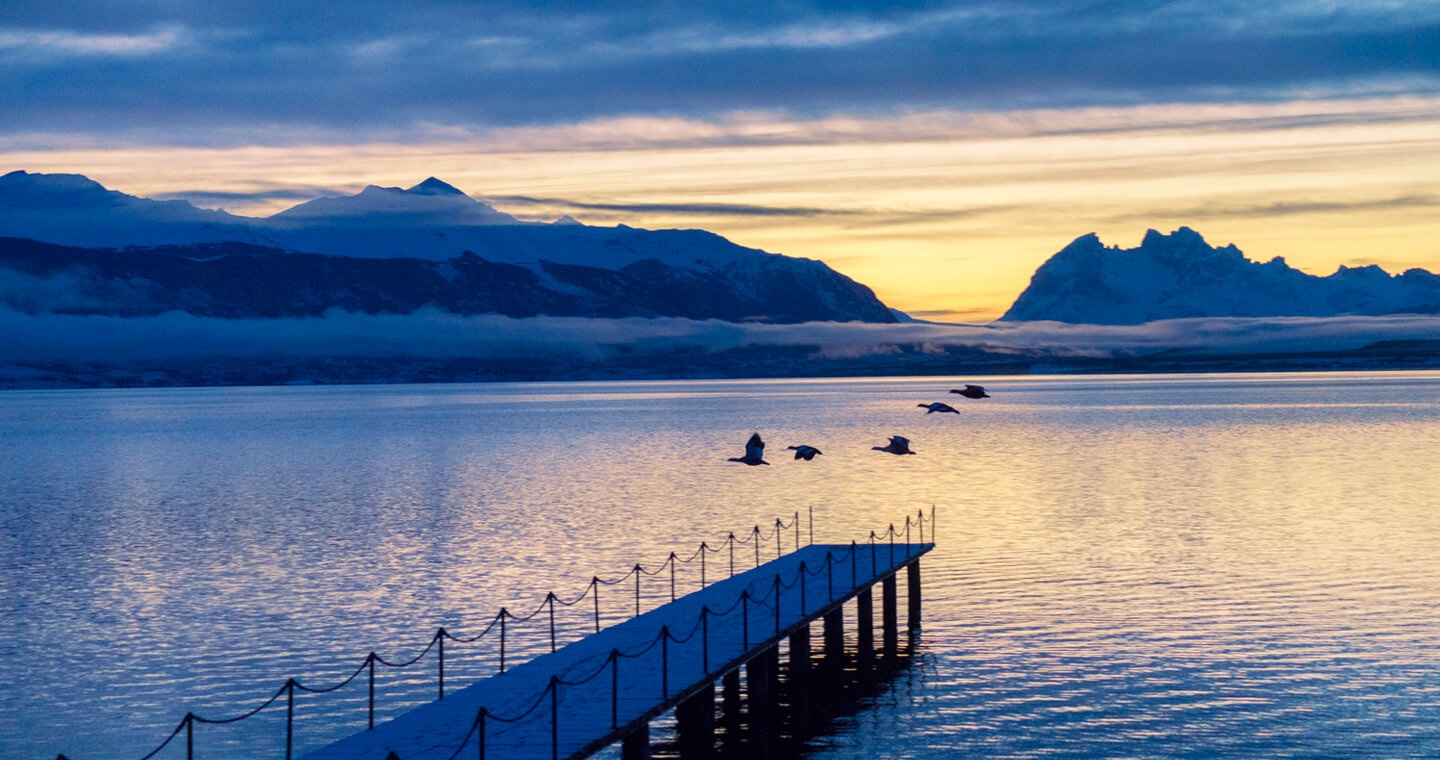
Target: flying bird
[(897, 445), (938, 407), (973, 391), (754, 451), (805, 452)]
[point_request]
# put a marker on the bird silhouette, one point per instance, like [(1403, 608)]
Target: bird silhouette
[(754, 451), (973, 391), (897, 445), (805, 452), (938, 407)]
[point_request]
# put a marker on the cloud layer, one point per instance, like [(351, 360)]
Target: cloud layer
[(433, 334), (175, 70)]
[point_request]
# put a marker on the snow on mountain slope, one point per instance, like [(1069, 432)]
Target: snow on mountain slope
[(70, 209), (430, 203), (502, 264), (1180, 275)]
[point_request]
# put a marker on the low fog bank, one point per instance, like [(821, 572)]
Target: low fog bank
[(430, 344)]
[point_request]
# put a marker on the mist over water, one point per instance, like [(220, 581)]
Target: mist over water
[(1177, 566)]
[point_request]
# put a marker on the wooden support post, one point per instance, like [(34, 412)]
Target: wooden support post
[(695, 723), (636, 744), (912, 594), (730, 709), (801, 684), (760, 703), (889, 615), (800, 658), (835, 641), (865, 627)]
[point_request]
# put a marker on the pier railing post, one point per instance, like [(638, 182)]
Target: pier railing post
[(289, 717), (614, 688), (803, 573), (440, 640), (755, 536), (664, 662), (779, 537), (638, 572), (731, 541), (777, 604), (189, 736), (703, 550), (504, 613), (595, 588), (480, 732), (745, 620), (370, 664), (550, 600), (672, 576), (554, 717), (705, 639)]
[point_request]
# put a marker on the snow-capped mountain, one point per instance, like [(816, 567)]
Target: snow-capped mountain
[(439, 247), (71, 209), (1180, 275)]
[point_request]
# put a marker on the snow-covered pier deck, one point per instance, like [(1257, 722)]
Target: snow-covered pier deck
[(608, 686)]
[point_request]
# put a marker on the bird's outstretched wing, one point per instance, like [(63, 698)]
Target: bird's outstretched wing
[(755, 448)]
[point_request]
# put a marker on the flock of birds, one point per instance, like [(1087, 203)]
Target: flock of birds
[(755, 447)]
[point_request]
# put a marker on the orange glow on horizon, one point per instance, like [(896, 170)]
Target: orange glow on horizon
[(943, 215)]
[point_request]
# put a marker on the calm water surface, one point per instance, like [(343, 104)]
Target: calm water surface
[(1160, 566)]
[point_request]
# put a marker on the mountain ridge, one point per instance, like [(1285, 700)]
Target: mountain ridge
[(1180, 275), (113, 247)]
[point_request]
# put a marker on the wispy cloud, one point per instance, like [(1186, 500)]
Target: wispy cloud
[(697, 209), (50, 45), (509, 65)]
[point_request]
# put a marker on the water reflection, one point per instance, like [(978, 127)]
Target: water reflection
[(1178, 566)]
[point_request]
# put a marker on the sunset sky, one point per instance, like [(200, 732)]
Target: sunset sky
[(938, 152)]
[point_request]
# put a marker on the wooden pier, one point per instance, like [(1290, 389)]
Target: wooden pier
[(609, 686)]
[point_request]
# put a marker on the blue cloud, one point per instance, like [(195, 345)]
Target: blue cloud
[(179, 70)]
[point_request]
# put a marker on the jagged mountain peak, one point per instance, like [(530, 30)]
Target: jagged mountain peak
[(23, 180), (433, 186), (1179, 275), (430, 203)]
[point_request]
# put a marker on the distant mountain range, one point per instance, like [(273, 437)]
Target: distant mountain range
[(1179, 276), (426, 284), (72, 246)]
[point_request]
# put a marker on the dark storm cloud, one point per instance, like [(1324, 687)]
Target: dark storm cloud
[(177, 70)]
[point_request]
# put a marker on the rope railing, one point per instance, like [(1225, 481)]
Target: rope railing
[(500, 621), (665, 637)]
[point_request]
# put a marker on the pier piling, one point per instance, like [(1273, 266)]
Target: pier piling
[(912, 595), (636, 744), (889, 615)]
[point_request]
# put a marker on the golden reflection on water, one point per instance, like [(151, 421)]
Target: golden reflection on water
[(1166, 566)]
